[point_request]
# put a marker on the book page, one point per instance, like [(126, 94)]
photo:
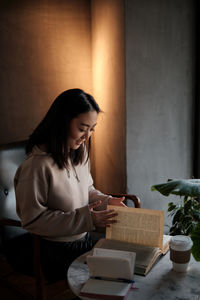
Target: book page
[(116, 253), (110, 267), (138, 226), (144, 254)]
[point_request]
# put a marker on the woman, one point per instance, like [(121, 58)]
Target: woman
[(55, 196)]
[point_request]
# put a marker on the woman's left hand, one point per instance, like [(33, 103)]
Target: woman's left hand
[(116, 201)]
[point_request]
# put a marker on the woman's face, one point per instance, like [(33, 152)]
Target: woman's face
[(81, 128)]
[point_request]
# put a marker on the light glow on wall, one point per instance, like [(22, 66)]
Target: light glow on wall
[(109, 90)]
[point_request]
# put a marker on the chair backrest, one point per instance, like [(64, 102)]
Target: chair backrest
[(11, 156)]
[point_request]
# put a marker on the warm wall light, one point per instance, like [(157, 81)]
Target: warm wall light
[(51, 47), (108, 87)]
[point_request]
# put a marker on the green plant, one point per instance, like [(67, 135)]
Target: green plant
[(186, 213)]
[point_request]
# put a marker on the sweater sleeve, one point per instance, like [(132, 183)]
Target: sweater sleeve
[(95, 195), (36, 217)]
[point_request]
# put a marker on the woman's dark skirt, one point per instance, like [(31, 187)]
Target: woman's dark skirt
[(57, 256)]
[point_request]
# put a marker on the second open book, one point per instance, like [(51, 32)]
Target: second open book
[(111, 274), (137, 230)]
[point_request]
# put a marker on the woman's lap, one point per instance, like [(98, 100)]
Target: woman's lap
[(57, 256)]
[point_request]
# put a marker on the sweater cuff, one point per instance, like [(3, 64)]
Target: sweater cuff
[(109, 197), (89, 219)]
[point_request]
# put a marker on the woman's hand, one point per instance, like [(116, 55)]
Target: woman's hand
[(116, 201), (102, 218)]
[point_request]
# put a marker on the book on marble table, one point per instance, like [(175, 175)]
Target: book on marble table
[(138, 230), (111, 274)]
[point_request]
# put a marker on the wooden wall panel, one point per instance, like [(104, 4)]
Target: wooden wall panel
[(45, 49)]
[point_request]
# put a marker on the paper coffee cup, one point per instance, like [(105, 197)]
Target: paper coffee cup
[(180, 252)]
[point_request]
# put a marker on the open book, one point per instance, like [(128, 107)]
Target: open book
[(111, 274), (138, 230)]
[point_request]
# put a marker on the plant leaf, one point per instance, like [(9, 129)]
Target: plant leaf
[(171, 206), (183, 187), (196, 243)]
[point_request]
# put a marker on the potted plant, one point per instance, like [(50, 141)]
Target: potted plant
[(186, 213)]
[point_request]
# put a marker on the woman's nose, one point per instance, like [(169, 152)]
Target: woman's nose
[(87, 135)]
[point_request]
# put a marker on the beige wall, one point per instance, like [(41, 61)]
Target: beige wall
[(45, 49), (109, 91)]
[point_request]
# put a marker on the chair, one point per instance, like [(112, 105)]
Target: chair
[(11, 156), (129, 199)]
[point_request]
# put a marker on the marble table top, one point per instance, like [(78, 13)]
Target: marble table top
[(161, 283)]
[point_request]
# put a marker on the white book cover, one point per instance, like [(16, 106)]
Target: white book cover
[(111, 274), (102, 289)]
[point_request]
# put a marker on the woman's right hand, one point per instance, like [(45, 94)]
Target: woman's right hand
[(102, 218)]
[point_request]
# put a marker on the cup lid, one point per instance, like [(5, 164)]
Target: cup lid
[(180, 242)]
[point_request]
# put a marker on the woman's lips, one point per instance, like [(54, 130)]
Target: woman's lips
[(79, 142)]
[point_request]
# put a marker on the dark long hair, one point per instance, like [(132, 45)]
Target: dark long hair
[(53, 130)]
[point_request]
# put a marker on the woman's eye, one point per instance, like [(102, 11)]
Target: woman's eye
[(85, 130)]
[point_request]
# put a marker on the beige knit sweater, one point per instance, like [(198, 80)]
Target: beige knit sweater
[(52, 202)]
